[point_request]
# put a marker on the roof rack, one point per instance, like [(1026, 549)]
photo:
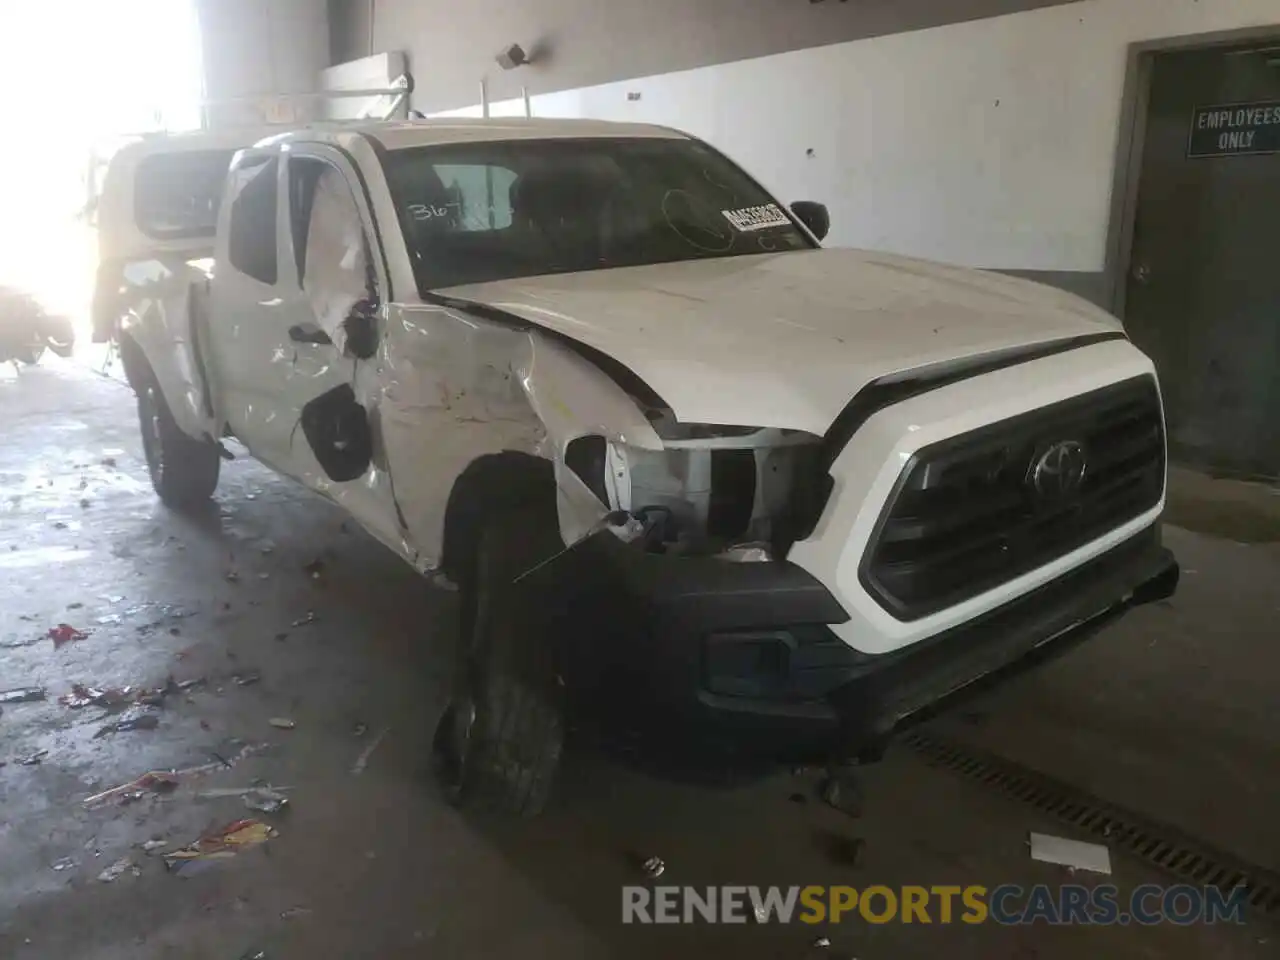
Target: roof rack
[(396, 94), (398, 91)]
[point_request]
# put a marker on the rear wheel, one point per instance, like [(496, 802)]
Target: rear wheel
[(184, 471), (498, 745)]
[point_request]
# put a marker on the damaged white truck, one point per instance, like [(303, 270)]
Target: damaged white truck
[(695, 476)]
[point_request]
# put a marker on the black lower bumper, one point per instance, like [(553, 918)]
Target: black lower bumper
[(741, 656)]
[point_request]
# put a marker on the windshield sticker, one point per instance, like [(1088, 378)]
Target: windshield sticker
[(757, 218)]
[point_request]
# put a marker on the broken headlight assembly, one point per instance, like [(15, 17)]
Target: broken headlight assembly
[(734, 492)]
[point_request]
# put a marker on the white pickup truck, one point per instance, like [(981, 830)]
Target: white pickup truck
[(690, 470)]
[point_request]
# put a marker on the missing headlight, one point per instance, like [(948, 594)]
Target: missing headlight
[(586, 457), (732, 498), (710, 495)]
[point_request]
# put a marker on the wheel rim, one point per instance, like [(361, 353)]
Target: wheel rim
[(149, 416), (451, 747)]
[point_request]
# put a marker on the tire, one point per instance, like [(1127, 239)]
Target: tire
[(498, 745), (184, 471)]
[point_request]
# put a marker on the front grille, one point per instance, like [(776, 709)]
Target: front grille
[(968, 514)]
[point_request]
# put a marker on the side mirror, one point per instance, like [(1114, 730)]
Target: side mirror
[(813, 215)]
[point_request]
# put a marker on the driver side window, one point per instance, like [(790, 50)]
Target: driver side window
[(331, 249), (251, 245)]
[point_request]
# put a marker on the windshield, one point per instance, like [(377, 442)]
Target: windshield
[(474, 212)]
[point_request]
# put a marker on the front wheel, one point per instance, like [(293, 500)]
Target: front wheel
[(498, 745), (184, 471)]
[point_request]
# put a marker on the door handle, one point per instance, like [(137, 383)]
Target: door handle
[(300, 333), (1142, 272)]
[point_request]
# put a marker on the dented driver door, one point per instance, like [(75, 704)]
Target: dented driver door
[(330, 296)]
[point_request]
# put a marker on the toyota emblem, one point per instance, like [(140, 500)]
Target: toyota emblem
[(1059, 471)]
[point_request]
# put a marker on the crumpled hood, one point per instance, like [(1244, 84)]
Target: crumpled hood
[(786, 340)]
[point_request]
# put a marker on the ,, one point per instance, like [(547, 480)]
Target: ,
[(691, 471)]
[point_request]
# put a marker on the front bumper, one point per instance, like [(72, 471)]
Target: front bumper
[(741, 657)]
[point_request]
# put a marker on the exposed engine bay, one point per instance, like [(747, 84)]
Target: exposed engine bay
[(740, 493)]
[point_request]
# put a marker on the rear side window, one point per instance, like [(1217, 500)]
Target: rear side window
[(252, 228), (176, 195)]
